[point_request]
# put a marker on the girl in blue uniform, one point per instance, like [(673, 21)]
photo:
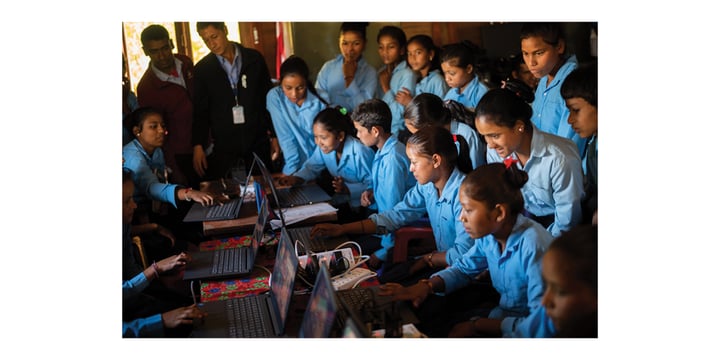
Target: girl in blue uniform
[(345, 158), (391, 177), (507, 244), (543, 48), (293, 105), (555, 189), (433, 162), (429, 110), (348, 79), (424, 58), (395, 75), (457, 64)]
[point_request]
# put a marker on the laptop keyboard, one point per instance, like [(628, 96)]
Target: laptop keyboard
[(357, 298), (303, 235), (228, 210), (228, 260), (246, 318), (293, 196)]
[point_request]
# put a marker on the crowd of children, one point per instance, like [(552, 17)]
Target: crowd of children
[(507, 181)]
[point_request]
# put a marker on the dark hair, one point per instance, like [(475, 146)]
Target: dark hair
[(581, 83), (358, 27), (550, 32), (202, 25), (429, 109), (426, 42), (580, 244), (459, 55), (295, 65), (431, 140), (396, 34), (373, 112), (335, 120), (497, 184), (138, 116), (154, 33), (504, 108)]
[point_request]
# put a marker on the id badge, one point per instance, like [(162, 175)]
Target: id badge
[(238, 114)]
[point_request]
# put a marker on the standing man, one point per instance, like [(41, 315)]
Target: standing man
[(167, 86), (230, 88)]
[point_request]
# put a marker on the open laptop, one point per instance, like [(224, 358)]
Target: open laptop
[(227, 211), (264, 315), (293, 196), (365, 306), (224, 263), (319, 318)]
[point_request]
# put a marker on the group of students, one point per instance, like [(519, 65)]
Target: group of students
[(502, 182)]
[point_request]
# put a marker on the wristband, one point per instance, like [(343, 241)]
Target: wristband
[(429, 259), (187, 190), (155, 268)]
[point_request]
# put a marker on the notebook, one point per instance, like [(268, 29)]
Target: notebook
[(319, 318), (294, 196), (263, 315), (229, 210), (224, 263)]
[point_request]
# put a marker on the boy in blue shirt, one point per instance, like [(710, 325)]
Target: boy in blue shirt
[(391, 177)]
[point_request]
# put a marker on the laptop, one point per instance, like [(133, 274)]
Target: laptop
[(263, 315), (227, 211), (224, 263), (319, 318), (366, 306), (293, 196)]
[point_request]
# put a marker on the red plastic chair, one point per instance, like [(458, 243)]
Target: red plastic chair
[(407, 236)]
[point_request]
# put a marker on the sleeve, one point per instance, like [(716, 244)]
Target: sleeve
[(437, 86), (391, 183), (285, 136), (567, 185), (406, 79), (135, 285), (532, 260), (312, 167), (146, 327), (535, 325), (147, 182), (363, 161), (472, 263), (201, 110), (410, 209)]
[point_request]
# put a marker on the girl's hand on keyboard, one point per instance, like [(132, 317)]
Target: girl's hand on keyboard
[(173, 262), (201, 197), (326, 230)]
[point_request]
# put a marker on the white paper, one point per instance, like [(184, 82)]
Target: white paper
[(296, 214)]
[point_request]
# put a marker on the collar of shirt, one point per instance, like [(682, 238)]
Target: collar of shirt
[(456, 177), (169, 78), (232, 69)]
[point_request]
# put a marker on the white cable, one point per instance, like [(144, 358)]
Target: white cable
[(369, 275)]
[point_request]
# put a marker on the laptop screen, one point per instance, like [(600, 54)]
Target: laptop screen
[(260, 226), (267, 177), (283, 275), (320, 313)]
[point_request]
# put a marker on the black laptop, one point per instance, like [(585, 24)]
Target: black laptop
[(226, 211), (264, 315), (224, 263), (307, 194)]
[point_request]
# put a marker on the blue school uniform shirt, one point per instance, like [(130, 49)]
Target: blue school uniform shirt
[(476, 148), (515, 272), (470, 96), (330, 83), (433, 83), (293, 126), (391, 179), (535, 325), (443, 212), (353, 167), (550, 113), (147, 171), (555, 179), (402, 77), (151, 326)]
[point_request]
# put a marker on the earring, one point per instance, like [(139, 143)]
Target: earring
[(520, 129)]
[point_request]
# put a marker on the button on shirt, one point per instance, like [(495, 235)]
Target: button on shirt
[(443, 212), (515, 272)]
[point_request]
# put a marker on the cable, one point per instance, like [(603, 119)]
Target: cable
[(369, 275)]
